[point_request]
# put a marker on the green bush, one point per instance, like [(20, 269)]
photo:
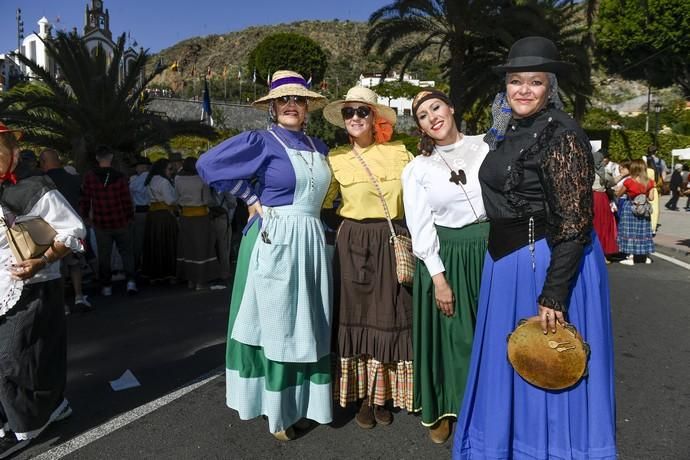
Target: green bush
[(624, 144)]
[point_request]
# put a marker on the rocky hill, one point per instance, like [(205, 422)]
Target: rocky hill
[(342, 40)]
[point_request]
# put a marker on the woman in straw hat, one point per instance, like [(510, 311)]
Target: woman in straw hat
[(278, 353), (33, 362), (545, 260), (445, 214), (374, 325)]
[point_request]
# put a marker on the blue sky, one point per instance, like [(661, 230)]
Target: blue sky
[(157, 24)]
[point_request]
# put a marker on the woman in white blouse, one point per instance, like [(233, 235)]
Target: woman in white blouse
[(33, 360), (160, 233), (446, 218)]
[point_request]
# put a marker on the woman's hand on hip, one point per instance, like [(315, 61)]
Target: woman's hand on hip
[(549, 317), (254, 209), (443, 293)]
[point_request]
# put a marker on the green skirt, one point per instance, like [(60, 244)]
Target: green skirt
[(442, 345), (284, 392)]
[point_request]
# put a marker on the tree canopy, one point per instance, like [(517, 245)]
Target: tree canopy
[(470, 37), (646, 40), (288, 51)]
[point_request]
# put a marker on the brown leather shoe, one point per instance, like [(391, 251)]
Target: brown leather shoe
[(440, 431), (365, 416), (383, 416), (286, 435)]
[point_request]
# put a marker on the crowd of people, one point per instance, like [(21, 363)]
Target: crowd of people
[(627, 204), (513, 224)]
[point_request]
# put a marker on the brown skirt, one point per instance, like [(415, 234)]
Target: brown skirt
[(373, 311)]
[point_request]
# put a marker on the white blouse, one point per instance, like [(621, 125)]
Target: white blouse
[(69, 229), (162, 191), (192, 191), (430, 197)]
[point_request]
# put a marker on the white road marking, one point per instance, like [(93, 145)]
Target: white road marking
[(671, 260), (90, 436)]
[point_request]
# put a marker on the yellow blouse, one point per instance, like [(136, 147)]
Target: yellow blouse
[(359, 199)]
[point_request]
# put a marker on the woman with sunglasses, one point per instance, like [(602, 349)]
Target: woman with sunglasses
[(445, 214), (374, 322), (279, 334)]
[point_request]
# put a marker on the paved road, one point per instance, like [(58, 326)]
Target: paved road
[(169, 337)]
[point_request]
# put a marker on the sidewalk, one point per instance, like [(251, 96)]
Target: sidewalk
[(673, 233)]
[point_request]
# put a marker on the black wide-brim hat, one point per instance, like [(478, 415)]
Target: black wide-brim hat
[(533, 54)]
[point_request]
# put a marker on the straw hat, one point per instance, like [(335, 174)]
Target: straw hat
[(289, 83), (16, 132), (358, 94)]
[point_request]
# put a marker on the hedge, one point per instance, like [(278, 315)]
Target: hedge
[(625, 144)]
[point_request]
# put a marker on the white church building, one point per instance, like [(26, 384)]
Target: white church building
[(97, 37)]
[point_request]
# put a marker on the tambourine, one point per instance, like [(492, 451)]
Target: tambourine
[(553, 361)]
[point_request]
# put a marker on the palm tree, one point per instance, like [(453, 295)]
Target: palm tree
[(91, 102), (469, 37)]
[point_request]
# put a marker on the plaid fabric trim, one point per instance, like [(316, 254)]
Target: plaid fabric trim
[(363, 377)]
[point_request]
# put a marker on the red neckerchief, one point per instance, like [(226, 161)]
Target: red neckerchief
[(9, 174)]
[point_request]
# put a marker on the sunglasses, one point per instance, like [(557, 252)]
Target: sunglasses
[(362, 111), (298, 100)]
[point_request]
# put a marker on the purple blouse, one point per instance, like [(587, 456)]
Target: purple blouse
[(234, 164)]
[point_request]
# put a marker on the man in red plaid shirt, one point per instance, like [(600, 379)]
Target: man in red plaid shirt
[(107, 205)]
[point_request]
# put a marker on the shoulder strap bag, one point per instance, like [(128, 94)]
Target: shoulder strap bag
[(402, 245)]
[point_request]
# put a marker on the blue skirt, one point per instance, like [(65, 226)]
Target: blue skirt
[(503, 416)]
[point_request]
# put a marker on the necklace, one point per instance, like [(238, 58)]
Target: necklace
[(310, 167), (459, 178)]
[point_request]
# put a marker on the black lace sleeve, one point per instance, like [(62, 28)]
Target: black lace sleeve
[(567, 174)]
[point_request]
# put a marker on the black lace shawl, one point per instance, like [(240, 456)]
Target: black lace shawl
[(545, 166)]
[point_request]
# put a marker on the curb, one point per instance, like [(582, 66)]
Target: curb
[(673, 251)]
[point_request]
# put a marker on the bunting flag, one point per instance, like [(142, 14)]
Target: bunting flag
[(208, 72), (225, 71), (174, 66), (268, 78), (254, 76), (309, 82), (239, 74), (193, 70), (206, 110)]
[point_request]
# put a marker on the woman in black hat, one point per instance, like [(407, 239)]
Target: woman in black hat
[(543, 259)]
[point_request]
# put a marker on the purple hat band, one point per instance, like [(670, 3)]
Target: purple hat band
[(288, 81)]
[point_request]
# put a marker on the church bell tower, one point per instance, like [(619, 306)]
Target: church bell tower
[(97, 19)]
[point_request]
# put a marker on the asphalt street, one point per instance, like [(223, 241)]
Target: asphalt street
[(172, 337)]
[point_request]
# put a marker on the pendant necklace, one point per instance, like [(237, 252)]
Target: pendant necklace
[(309, 164), (458, 178)]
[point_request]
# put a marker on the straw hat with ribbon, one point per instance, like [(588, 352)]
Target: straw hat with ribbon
[(289, 83), (16, 132), (358, 94)]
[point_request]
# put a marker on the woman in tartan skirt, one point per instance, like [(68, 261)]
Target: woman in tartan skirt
[(446, 218), (635, 232), (374, 313)]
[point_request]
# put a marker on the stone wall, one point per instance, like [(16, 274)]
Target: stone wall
[(233, 116)]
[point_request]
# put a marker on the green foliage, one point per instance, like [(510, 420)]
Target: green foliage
[(396, 89), (90, 104), (288, 51), (410, 142), (646, 40), (319, 127), (624, 144), (469, 38), (597, 118)]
